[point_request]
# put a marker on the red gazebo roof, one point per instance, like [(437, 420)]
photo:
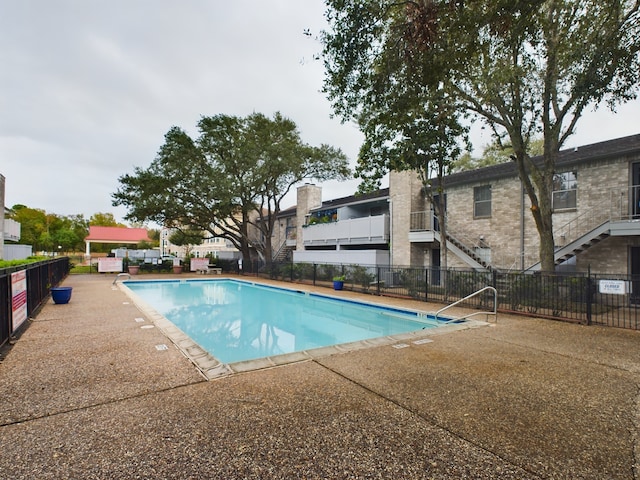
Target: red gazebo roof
[(117, 235)]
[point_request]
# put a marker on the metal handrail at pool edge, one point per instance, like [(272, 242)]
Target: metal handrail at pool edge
[(118, 277), (494, 312)]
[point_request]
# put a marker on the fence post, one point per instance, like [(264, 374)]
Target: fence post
[(426, 284), (378, 281), (315, 266)]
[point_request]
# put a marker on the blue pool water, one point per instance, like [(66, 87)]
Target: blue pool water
[(236, 321)]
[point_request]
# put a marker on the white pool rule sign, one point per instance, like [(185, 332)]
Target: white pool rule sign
[(616, 287), (18, 298)]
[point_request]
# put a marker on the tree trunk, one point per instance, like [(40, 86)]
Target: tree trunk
[(268, 251), (542, 214), (443, 236), (442, 221), (538, 183)]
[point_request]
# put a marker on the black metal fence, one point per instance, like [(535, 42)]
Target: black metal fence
[(598, 299), (612, 300), (41, 276)]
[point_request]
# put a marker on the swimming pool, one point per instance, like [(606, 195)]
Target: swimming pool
[(237, 321)]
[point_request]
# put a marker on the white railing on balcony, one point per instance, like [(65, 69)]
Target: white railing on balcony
[(11, 230), (374, 229)]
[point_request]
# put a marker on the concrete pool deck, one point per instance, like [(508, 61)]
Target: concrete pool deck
[(90, 391)]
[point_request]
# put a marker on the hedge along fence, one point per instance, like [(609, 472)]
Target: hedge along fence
[(576, 297)]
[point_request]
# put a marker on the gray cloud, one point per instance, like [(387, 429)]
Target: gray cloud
[(89, 88)]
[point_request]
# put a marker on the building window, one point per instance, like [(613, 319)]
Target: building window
[(482, 201), (565, 187)]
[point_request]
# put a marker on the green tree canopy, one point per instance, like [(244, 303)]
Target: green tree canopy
[(230, 180), (493, 154), (48, 231), (417, 130), (187, 238), (523, 67), (101, 219)]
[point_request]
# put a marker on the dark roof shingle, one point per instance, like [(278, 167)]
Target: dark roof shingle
[(566, 158)]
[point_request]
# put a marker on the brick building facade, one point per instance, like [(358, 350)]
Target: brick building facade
[(596, 214)]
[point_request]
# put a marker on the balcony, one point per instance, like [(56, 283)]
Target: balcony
[(422, 226), (356, 231), (11, 230), (291, 234)]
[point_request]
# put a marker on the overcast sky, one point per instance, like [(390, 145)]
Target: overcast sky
[(88, 88)]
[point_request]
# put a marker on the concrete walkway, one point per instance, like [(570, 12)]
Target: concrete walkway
[(90, 392)]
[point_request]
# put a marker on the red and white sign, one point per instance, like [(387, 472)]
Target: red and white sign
[(199, 264), (109, 264), (18, 299)]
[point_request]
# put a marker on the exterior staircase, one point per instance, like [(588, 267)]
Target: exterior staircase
[(582, 243), (464, 252), (592, 237), (579, 245), (284, 253)]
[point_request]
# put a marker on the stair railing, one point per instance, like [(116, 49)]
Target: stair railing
[(468, 244), (280, 249), (580, 225)]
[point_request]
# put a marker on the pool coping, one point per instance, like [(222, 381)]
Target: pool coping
[(211, 368)]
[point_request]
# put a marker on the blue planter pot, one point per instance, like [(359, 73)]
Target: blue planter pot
[(337, 285), (61, 294)]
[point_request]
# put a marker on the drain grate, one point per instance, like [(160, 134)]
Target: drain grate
[(161, 347)]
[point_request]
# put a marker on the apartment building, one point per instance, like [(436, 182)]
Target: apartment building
[(596, 202), (596, 217), (353, 229), (215, 247)]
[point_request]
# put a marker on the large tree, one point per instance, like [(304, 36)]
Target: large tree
[(524, 67), (230, 180), (416, 130)]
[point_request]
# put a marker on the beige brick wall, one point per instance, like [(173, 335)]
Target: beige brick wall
[(602, 188), (608, 256), (502, 230), (405, 193), (308, 197)]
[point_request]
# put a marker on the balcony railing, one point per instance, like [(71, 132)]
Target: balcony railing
[(421, 221), (11, 230), (364, 230)]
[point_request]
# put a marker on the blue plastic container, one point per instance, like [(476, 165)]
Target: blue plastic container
[(61, 295)]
